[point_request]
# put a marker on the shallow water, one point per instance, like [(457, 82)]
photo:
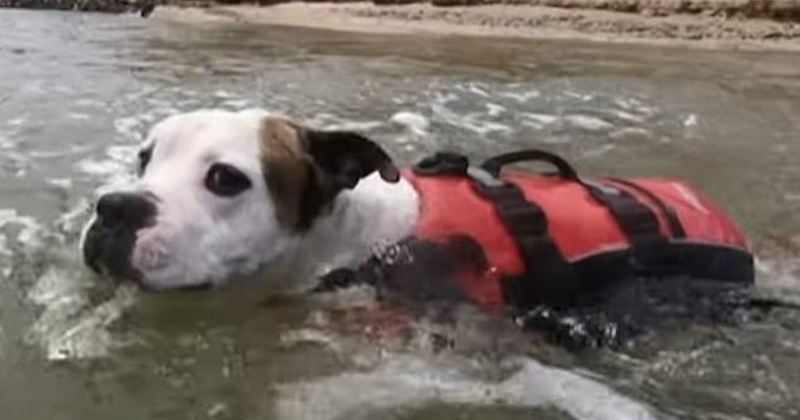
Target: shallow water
[(78, 91)]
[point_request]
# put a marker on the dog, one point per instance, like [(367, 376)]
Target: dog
[(221, 195)]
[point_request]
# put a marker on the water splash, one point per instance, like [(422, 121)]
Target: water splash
[(409, 382)]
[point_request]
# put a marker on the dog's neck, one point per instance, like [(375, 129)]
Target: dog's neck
[(361, 222)]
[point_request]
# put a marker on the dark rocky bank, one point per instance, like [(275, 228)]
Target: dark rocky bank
[(782, 10), (144, 7)]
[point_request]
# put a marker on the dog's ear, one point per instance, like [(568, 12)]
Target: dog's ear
[(345, 157), (339, 160), (306, 169)]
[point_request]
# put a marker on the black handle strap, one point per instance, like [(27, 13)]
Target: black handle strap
[(548, 278), (495, 165), (442, 164)]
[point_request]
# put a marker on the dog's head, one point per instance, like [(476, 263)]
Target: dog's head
[(222, 193)]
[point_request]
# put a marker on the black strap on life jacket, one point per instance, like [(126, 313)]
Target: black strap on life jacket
[(637, 221), (548, 277), (675, 226)]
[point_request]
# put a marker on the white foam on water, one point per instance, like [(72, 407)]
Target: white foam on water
[(100, 168), (237, 103), (631, 133), (63, 183), (354, 125), (791, 196), (407, 382), (417, 124), (79, 116), (543, 119), (327, 121), (29, 235), (626, 116), (531, 124), (90, 103), (6, 216), (599, 151), (6, 143), (4, 251), (224, 94), (125, 154), (128, 128), (115, 169), (16, 122), (584, 97), (74, 219), (472, 121), (494, 110), (522, 97), (635, 105), (588, 122), (294, 338), (476, 88), (778, 278), (70, 327), (690, 120)]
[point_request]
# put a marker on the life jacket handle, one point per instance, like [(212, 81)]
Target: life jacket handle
[(495, 165)]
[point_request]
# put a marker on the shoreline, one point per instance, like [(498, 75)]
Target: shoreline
[(525, 21)]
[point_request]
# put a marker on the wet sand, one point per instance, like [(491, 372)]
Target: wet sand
[(714, 28)]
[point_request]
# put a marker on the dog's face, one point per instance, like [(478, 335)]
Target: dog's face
[(221, 194)]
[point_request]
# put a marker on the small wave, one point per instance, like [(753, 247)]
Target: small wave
[(476, 88), (588, 122), (101, 167), (471, 121), (28, 235), (71, 327), (129, 128), (63, 183), (4, 251), (16, 122), (417, 124), (494, 110), (329, 121), (402, 381), (79, 116), (541, 119), (6, 143), (522, 97), (237, 103)]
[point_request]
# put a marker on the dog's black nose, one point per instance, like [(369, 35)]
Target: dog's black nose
[(128, 210)]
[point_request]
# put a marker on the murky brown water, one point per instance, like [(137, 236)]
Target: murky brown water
[(78, 91)]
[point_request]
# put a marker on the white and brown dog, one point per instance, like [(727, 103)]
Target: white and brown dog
[(222, 194)]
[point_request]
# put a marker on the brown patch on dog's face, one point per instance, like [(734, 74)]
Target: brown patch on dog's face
[(305, 169), (287, 168)]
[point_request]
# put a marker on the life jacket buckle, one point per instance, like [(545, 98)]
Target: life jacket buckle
[(483, 178)]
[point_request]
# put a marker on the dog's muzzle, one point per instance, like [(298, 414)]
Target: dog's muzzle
[(111, 237)]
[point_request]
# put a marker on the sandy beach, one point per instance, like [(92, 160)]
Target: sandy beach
[(707, 28)]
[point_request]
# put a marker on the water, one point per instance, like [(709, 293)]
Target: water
[(78, 91)]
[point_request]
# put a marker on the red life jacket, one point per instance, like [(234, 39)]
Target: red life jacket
[(593, 233)]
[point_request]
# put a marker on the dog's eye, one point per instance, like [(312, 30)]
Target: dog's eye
[(144, 159), (225, 180)]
